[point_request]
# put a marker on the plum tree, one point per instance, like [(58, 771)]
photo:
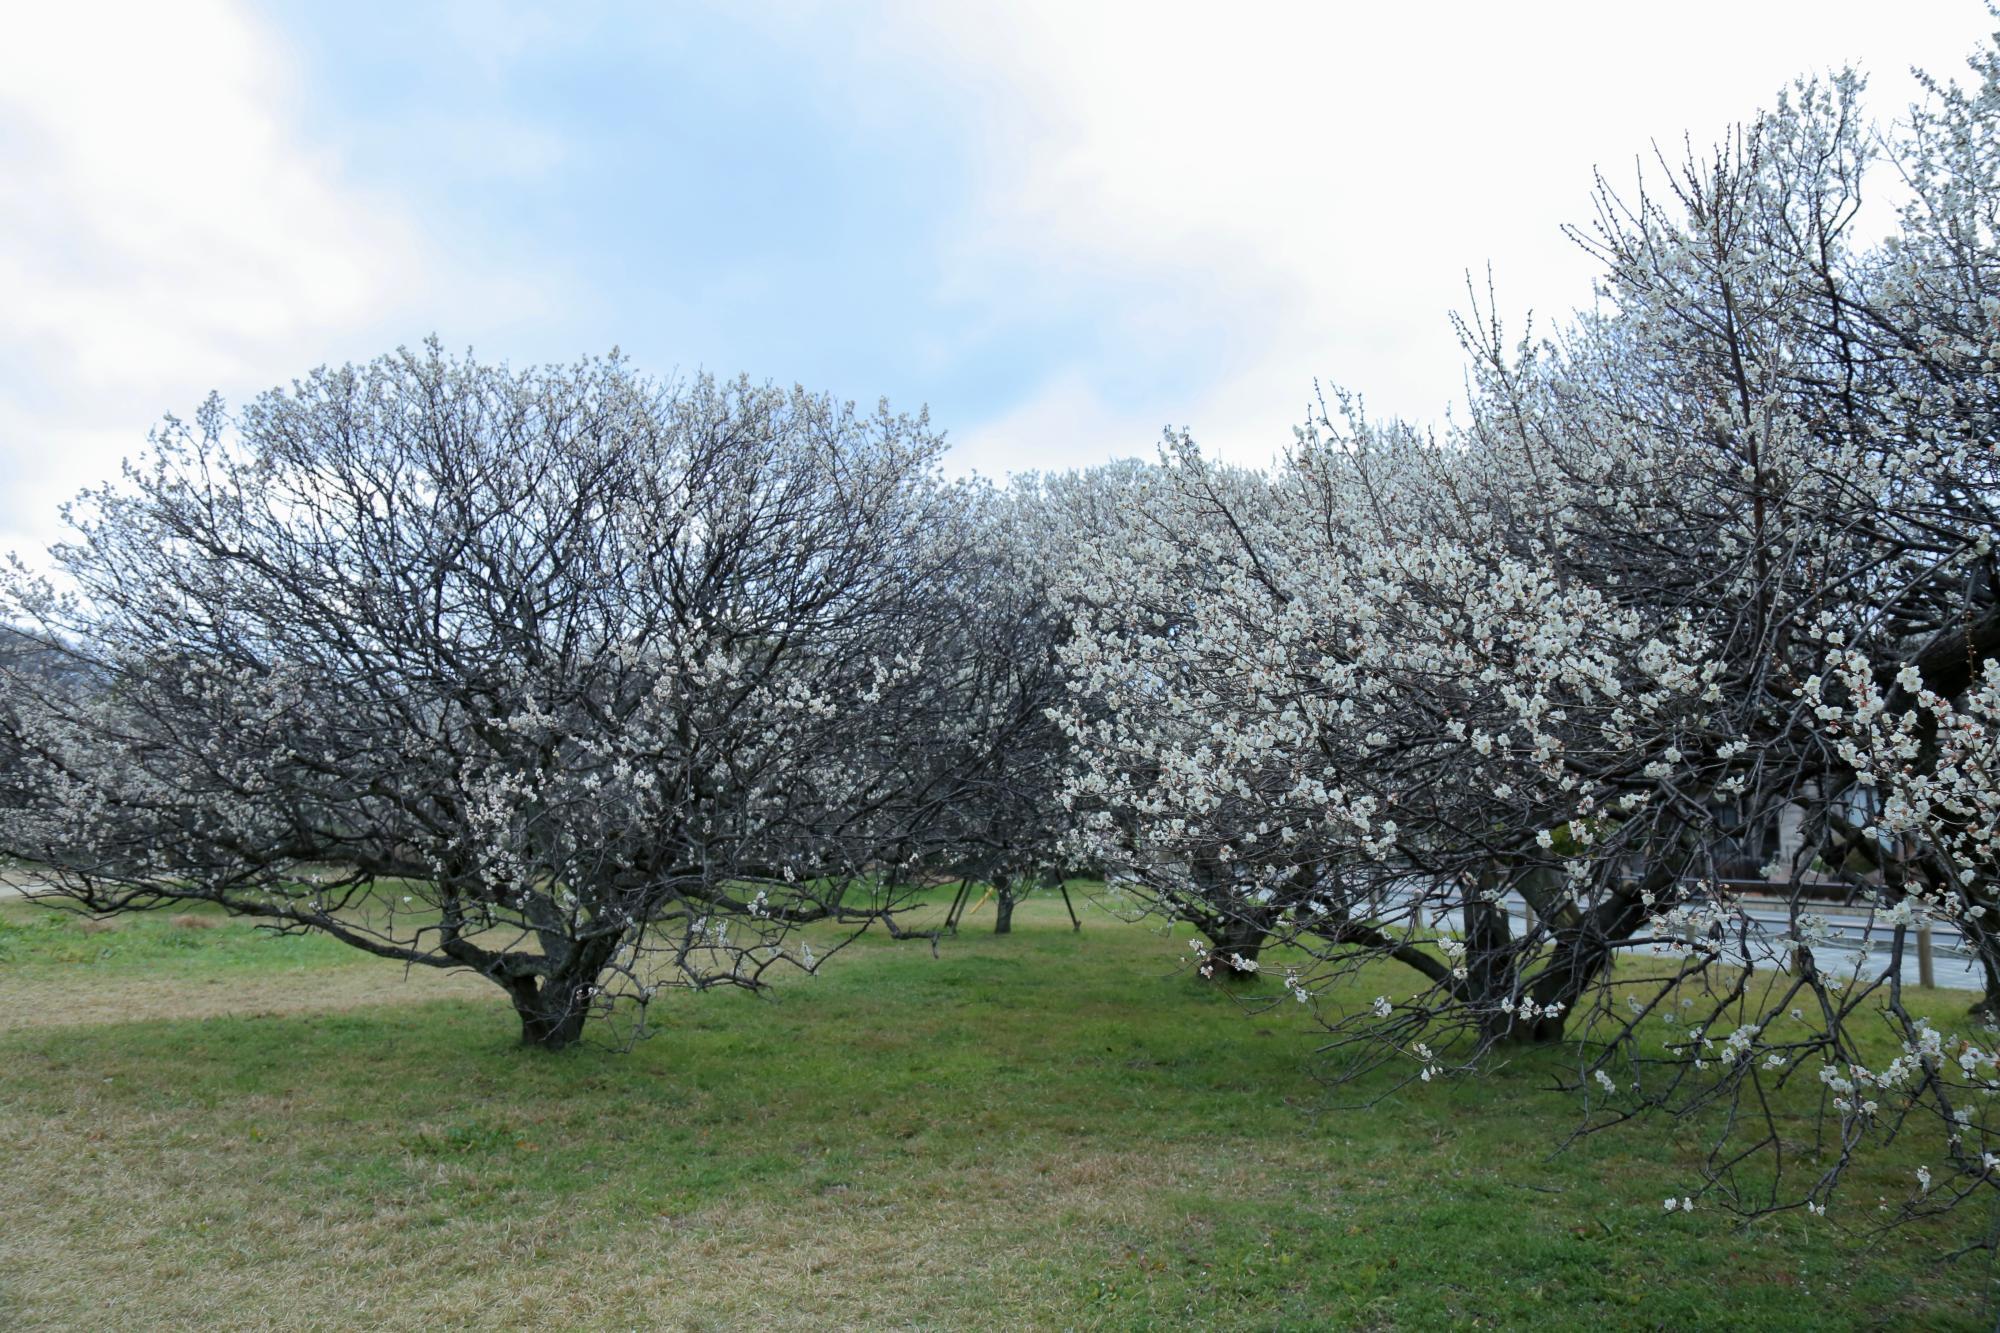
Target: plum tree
[(566, 677)]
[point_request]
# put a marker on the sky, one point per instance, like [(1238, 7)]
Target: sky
[(1063, 227)]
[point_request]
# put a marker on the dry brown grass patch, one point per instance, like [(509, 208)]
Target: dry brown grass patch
[(80, 996), (146, 1221)]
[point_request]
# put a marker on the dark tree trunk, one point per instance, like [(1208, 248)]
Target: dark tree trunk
[(1585, 947), (1235, 940), (1582, 955), (1491, 960), (1003, 910), (1234, 928), (552, 1012)]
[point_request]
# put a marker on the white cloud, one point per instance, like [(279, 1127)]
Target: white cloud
[(167, 229), (1065, 425), (1279, 191), (1226, 203)]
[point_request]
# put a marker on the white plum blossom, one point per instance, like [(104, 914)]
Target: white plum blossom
[(619, 680), (1689, 624)]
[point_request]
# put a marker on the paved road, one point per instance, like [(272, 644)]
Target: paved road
[(14, 883), (1953, 965)]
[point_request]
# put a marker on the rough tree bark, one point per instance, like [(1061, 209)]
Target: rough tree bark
[(1003, 907)]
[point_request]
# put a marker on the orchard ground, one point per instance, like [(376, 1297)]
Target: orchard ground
[(207, 1126)]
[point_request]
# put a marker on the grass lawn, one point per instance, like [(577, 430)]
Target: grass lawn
[(214, 1128)]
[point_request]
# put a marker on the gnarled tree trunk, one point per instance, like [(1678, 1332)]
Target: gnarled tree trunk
[(552, 1010), (554, 1005), (1236, 944)]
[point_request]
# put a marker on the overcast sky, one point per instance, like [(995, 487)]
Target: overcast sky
[(1062, 226)]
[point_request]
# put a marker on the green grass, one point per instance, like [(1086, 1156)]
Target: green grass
[(49, 941), (1042, 1130)]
